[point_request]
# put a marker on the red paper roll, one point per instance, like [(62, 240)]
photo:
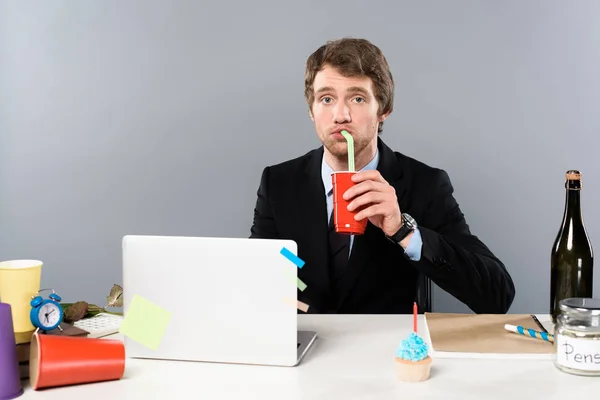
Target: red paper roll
[(66, 360)]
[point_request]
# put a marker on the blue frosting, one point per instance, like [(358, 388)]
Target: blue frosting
[(413, 348)]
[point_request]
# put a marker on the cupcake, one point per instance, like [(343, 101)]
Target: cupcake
[(413, 362)]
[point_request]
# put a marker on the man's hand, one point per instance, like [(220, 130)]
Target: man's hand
[(378, 199)]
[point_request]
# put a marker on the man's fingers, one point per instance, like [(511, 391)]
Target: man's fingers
[(364, 187), (367, 198), (376, 209), (372, 175)]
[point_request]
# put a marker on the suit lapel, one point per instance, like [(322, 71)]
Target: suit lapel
[(312, 206), (391, 171)]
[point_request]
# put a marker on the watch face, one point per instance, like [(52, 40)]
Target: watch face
[(409, 220), (49, 314)]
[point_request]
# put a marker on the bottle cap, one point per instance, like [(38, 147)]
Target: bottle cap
[(573, 175)]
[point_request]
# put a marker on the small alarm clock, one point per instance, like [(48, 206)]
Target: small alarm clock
[(46, 314)]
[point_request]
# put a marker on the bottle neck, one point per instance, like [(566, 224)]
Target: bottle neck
[(572, 202)]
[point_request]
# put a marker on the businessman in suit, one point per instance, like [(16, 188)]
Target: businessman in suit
[(415, 225)]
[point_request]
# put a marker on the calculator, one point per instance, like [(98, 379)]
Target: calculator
[(100, 325)]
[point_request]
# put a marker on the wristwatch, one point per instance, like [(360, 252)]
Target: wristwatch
[(408, 225)]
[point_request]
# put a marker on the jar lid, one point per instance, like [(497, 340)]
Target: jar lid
[(580, 305)]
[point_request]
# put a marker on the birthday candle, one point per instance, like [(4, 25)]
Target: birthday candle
[(415, 311)]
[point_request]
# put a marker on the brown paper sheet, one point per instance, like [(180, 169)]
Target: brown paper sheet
[(483, 333)]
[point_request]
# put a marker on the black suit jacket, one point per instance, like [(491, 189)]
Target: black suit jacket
[(380, 278)]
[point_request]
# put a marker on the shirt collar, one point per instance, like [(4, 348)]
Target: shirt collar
[(326, 171)]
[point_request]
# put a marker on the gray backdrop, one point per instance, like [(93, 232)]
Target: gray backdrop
[(148, 117)]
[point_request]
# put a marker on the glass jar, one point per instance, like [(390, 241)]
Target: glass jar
[(577, 336)]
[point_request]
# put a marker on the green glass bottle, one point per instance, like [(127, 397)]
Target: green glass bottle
[(572, 259)]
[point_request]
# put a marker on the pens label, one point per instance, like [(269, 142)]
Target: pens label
[(576, 353)]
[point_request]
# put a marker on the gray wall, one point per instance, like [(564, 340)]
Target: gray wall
[(150, 117)]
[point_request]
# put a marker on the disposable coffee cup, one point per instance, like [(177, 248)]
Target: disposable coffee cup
[(343, 219), (19, 281), (10, 381), (56, 360)]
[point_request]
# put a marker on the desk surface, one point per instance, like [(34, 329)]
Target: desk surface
[(353, 358)]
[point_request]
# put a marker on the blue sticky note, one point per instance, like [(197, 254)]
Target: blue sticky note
[(292, 257)]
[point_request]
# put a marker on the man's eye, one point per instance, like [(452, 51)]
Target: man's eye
[(359, 99), (326, 100)]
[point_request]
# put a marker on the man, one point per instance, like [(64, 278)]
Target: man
[(414, 227)]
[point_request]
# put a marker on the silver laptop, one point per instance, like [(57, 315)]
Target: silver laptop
[(231, 300)]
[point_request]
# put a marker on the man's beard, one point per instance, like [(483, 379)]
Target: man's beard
[(339, 148)]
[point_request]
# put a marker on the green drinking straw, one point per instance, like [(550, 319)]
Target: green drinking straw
[(350, 142)]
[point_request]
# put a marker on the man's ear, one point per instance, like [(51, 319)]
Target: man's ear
[(382, 117), (310, 114)]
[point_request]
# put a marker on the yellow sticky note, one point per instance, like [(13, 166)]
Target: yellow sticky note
[(145, 322)]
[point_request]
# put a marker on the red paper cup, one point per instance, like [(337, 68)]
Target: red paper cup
[(66, 360), (343, 219)]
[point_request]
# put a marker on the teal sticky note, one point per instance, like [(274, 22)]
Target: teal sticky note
[(145, 322)]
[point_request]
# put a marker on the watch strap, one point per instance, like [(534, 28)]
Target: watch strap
[(403, 232)]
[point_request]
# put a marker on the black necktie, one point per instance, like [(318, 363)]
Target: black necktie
[(339, 248)]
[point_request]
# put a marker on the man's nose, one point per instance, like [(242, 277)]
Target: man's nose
[(341, 114)]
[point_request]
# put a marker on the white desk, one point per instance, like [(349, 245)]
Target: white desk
[(353, 359)]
